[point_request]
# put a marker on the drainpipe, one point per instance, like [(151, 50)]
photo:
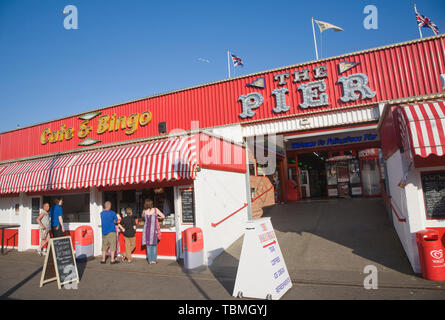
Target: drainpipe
[(248, 197)]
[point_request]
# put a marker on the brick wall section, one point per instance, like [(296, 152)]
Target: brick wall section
[(261, 184)]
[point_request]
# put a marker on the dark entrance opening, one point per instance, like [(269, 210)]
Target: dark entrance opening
[(313, 171)]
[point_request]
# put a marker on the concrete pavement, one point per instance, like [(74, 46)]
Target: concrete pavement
[(326, 245)]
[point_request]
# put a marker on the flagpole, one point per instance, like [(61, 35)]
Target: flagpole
[(420, 31), (315, 39), (228, 61)]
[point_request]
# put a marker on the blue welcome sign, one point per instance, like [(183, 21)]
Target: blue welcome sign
[(326, 141)]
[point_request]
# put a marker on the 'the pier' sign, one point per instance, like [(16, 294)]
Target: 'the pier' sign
[(354, 87)]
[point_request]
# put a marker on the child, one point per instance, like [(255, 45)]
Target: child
[(129, 225)]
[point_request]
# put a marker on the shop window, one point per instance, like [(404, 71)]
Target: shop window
[(76, 207), (163, 199), (112, 197)]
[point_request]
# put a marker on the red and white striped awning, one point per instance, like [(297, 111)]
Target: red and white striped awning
[(171, 159), (424, 125)]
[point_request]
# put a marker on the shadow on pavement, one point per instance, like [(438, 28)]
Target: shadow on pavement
[(359, 224), (224, 269), (81, 266), (6, 295)]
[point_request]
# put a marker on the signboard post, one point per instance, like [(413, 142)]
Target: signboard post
[(262, 272), (60, 263)]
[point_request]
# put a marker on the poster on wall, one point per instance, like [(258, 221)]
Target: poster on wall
[(342, 171), (433, 186), (354, 172), (331, 174)]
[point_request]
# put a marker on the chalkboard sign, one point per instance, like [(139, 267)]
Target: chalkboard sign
[(35, 210), (187, 205), (60, 263), (433, 185)]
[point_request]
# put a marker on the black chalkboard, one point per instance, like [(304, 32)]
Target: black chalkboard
[(63, 252), (433, 185), (187, 205), (35, 210), (59, 262)]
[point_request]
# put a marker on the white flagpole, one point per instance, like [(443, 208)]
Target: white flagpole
[(228, 61), (315, 39), (420, 31)]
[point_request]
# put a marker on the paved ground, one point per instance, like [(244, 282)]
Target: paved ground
[(326, 245)]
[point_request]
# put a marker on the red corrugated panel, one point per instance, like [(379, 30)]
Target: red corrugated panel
[(404, 70)]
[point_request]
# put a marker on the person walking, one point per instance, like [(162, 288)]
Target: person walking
[(56, 216), (152, 232), (129, 225), (108, 220), (45, 225)]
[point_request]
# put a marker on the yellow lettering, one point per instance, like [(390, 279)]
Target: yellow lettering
[(112, 122), (145, 118), (121, 123), (43, 136), (53, 136), (84, 129), (62, 132), (132, 123), (103, 124), (69, 134)]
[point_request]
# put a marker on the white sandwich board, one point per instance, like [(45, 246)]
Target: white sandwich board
[(262, 272)]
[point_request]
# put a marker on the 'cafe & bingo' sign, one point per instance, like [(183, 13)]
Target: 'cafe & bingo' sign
[(105, 124)]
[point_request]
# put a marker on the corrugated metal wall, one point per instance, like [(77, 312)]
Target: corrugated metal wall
[(397, 71)]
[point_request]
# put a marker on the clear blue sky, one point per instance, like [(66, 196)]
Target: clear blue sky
[(125, 50)]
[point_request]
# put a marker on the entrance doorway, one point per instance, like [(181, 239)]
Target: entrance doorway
[(330, 174), (313, 174)]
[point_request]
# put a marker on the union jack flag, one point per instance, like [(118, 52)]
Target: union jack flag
[(425, 22), (236, 61)]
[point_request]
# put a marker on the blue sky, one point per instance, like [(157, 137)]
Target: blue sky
[(125, 50)]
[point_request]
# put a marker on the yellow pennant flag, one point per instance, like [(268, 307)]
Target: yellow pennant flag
[(325, 26)]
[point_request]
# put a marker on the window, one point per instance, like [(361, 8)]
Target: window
[(163, 199), (76, 207)]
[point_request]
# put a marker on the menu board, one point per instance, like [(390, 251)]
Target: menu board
[(59, 263), (262, 271), (35, 210), (63, 252), (433, 185), (187, 205)]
